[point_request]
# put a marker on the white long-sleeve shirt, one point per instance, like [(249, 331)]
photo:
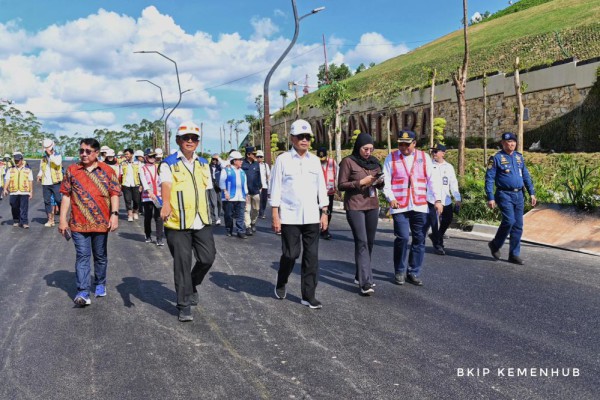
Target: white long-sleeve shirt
[(431, 184), (265, 174), (298, 188), (447, 183), (55, 159), (239, 190)]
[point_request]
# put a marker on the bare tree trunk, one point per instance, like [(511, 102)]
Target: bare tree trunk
[(431, 110), (389, 133), (485, 109), (519, 107), (460, 84), (221, 139), (338, 133), (287, 137)]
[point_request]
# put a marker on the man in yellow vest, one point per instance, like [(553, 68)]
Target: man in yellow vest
[(409, 179), (18, 181), (50, 176), (130, 183), (185, 180)]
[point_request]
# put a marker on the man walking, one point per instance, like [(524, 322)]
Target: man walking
[(18, 182), (507, 171), (265, 177), (330, 172), (185, 179), (50, 176), (408, 181), (234, 189), (91, 191), (297, 193), (251, 168), (130, 181), (448, 188)]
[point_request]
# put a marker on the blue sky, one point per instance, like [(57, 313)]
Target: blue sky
[(71, 62)]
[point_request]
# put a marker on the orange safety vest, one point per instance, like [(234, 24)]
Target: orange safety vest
[(413, 183), (329, 172)]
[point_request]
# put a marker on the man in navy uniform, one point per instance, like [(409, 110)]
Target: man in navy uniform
[(507, 170)]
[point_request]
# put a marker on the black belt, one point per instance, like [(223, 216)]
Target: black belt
[(510, 190)]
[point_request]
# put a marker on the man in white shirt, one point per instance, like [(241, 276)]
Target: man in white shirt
[(297, 193), (265, 176), (50, 176), (408, 180), (448, 188)]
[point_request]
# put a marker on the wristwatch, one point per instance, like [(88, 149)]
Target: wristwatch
[(326, 211), (115, 213)]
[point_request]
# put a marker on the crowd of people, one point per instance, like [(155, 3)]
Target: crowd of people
[(186, 195)]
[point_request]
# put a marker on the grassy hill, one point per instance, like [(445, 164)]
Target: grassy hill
[(539, 35)]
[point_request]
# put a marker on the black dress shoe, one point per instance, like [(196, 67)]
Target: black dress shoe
[(515, 260), (399, 278), (495, 251), (249, 232), (439, 250), (242, 236), (411, 278)]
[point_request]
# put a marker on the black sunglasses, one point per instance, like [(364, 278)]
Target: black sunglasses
[(304, 136), (188, 138), (86, 151)]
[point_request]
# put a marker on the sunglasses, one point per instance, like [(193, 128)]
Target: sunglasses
[(86, 151), (190, 138), (434, 151), (151, 156), (259, 156), (304, 136)]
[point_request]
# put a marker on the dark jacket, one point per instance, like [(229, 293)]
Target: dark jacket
[(215, 173), (252, 176)]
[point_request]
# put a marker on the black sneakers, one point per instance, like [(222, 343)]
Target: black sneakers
[(495, 251), (439, 250), (185, 314), (194, 299), (311, 303), (242, 236), (367, 290), (280, 293), (399, 278), (412, 278), (515, 260)]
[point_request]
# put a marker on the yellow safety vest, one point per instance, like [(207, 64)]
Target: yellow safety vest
[(19, 180), (55, 170), (136, 172), (188, 194)]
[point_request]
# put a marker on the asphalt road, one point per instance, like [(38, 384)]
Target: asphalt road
[(403, 342)]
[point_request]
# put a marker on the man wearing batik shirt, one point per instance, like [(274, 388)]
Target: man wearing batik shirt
[(91, 190)]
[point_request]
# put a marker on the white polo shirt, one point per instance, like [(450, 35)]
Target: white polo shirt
[(298, 188)]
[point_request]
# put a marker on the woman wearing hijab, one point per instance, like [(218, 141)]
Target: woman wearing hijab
[(360, 176)]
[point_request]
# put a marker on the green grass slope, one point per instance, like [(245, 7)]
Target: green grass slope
[(539, 35)]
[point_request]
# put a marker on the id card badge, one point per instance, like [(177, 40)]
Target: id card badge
[(372, 191)]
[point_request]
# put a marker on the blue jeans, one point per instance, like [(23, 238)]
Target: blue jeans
[(47, 192), (234, 216), (409, 257), (511, 205), (87, 244)]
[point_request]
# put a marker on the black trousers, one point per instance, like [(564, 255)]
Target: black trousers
[(182, 244), (151, 212), (132, 197), (438, 231), (330, 208), (264, 196), (291, 237), (364, 226)]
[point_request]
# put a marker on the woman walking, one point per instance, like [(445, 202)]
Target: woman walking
[(359, 178)]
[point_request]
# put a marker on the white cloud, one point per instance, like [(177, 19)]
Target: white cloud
[(263, 28), (373, 47)]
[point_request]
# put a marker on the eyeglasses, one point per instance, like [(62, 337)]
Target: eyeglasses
[(151, 156), (86, 151), (259, 156), (434, 151), (304, 136), (190, 138)]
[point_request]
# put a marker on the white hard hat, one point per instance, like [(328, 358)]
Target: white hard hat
[(299, 127), (120, 153), (47, 143), (138, 153), (235, 155), (259, 153), (104, 149), (110, 153), (158, 151), (187, 128)]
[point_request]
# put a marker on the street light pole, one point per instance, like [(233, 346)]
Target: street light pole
[(167, 136), (267, 117), (161, 96)]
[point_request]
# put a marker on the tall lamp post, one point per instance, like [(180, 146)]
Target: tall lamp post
[(162, 99), (267, 117), (167, 136)]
